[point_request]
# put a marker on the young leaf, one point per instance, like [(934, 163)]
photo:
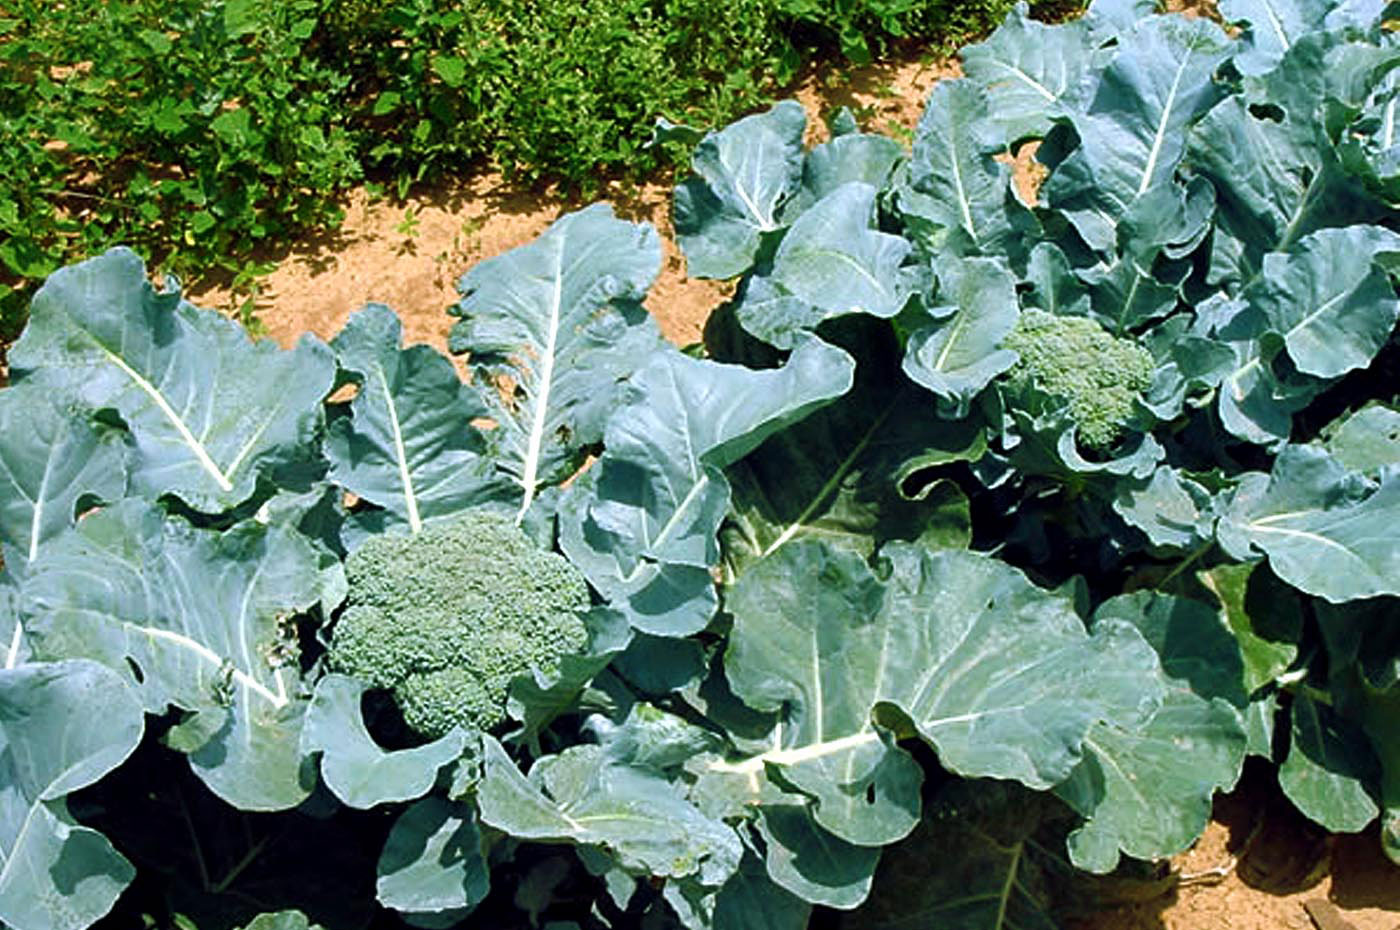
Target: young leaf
[(409, 445), (1272, 28), (208, 410), (858, 157), (838, 475), (1367, 440), (353, 765), (745, 173), (812, 864), (1329, 299), (559, 320)]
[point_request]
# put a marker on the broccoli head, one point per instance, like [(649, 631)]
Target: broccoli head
[(445, 618), (1097, 376)]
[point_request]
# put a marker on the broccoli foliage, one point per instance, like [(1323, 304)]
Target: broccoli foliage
[(1095, 375), (445, 618)]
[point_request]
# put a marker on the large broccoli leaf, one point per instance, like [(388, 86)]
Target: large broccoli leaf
[(409, 445), (1026, 68), (194, 619), (1330, 768), (1132, 127), (1271, 28), (208, 409), (63, 726), (840, 474), (553, 328), (1329, 299), (432, 867), (959, 198), (956, 351), (834, 259), (1276, 175), (998, 676), (1147, 791)]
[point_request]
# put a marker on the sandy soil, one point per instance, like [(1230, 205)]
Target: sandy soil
[(1262, 866), (409, 255)]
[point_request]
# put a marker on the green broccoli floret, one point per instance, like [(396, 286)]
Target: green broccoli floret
[(1097, 376), (445, 618)]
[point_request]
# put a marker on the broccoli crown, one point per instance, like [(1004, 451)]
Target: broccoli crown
[(445, 618), (1097, 376)]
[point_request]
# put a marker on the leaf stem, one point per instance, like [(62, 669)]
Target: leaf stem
[(1186, 563), (241, 865), (12, 658), (194, 840)]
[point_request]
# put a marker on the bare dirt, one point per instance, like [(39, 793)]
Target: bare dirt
[(1258, 866), (1262, 866)]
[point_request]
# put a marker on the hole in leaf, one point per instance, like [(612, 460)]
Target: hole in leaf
[(870, 793), (1271, 112), (136, 672)]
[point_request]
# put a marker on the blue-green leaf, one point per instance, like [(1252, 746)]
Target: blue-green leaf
[(353, 765), (642, 522), (432, 864), (63, 726), (1323, 530), (409, 445), (193, 619), (834, 259), (553, 329), (1026, 68), (53, 457), (582, 797), (744, 175), (970, 653), (208, 409), (957, 188), (959, 352)]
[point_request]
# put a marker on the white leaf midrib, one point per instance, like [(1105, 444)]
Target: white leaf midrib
[(529, 478), (187, 437)]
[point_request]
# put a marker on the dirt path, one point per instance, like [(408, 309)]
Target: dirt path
[(409, 256)]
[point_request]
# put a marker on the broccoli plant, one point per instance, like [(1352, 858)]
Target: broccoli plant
[(447, 617)]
